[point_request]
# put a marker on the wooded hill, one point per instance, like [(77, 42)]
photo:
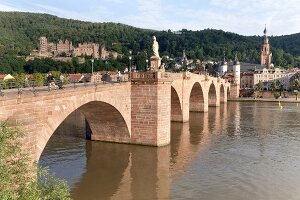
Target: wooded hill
[(19, 34)]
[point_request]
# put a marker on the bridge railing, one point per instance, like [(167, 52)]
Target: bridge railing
[(34, 86)]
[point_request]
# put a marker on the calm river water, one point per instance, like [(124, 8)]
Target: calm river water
[(239, 151)]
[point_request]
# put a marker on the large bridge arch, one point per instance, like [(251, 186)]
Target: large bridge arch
[(176, 106), (196, 98), (212, 95), (104, 120), (39, 115), (105, 112), (222, 94)]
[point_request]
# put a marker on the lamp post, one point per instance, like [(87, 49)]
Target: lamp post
[(147, 64), (130, 57), (92, 60)]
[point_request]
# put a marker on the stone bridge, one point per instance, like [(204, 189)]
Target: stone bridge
[(136, 112)]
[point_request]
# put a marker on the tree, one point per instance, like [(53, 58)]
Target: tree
[(259, 86), (296, 84), (273, 86), (17, 181), (276, 95)]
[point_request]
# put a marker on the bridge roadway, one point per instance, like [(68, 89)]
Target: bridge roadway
[(136, 112)]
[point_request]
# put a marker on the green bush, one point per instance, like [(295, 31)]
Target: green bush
[(17, 179), (276, 95)]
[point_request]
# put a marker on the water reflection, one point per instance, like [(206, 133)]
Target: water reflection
[(238, 151)]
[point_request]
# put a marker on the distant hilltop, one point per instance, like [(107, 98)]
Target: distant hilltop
[(20, 33)]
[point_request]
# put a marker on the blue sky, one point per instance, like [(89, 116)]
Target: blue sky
[(245, 17)]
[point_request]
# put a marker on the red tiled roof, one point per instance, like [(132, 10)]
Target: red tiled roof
[(2, 76)]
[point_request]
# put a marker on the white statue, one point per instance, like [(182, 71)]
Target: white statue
[(155, 47)]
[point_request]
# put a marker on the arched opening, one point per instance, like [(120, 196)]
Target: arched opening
[(176, 111), (69, 155), (228, 93), (222, 94), (196, 98), (105, 122), (212, 96), (95, 120)]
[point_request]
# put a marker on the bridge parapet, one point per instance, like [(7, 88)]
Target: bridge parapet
[(151, 76)]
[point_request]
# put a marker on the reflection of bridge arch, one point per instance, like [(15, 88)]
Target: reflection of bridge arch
[(196, 98)]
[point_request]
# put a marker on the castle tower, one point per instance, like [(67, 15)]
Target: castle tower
[(237, 70), (223, 67), (266, 55), (235, 86), (43, 45)]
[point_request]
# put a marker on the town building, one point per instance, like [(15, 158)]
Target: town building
[(6, 77), (247, 79)]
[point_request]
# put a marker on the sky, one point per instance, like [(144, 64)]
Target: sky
[(246, 17)]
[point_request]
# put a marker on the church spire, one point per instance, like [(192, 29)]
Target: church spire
[(266, 36), (265, 31)]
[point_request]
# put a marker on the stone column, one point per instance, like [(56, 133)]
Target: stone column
[(185, 101), (150, 109)]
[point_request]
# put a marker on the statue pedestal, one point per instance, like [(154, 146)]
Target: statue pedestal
[(155, 63)]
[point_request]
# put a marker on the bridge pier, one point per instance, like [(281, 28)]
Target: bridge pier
[(150, 109)]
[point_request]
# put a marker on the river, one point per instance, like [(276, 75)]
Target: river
[(246, 150)]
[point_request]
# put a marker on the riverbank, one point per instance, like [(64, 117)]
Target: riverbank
[(286, 100)]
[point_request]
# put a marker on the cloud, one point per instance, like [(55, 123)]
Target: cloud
[(245, 17)]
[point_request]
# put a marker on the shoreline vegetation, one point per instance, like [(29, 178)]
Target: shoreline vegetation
[(22, 179)]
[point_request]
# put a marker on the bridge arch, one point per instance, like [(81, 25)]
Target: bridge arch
[(222, 94), (228, 92), (176, 108), (105, 122), (196, 99), (212, 95)]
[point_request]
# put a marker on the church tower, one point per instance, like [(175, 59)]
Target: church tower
[(266, 55)]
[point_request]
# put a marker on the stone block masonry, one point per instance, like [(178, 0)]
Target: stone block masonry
[(136, 112)]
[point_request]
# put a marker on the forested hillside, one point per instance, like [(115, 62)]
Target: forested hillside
[(19, 33)]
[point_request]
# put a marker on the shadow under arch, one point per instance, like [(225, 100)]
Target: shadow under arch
[(222, 94), (103, 122), (176, 111), (212, 95), (196, 98)]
